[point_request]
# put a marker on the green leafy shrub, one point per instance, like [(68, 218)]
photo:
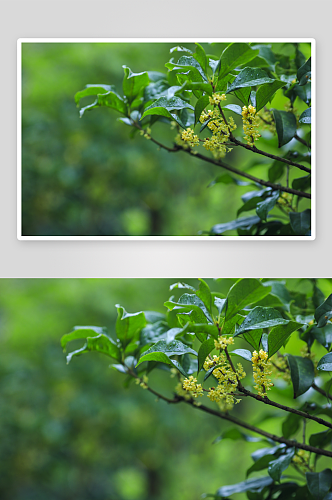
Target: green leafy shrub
[(208, 100), (225, 349)]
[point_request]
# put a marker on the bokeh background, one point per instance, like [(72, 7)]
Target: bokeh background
[(76, 431), (87, 177)]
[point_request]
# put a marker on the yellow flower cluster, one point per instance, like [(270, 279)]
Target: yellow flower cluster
[(267, 121), (146, 133), (190, 137), (190, 384), (217, 98), (301, 458), (305, 353), (261, 369), (250, 124), (281, 368), (223, 342), (179, 390), (228, 381), (142, 382)]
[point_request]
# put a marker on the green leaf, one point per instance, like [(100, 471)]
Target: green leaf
[(285, 125), (161, 352), (81, 332), (191, 302), (255, 484), (100, 343), (179, 48), (253, 338), (243, 353), (319, 483), (93, 90), (305, 116), (200, 106), (204, 351), (180, 284), (164, 106), (243, 95), (229, 325), (325, 363), (260, 464), (291, 425), (276, 467), (302, 374), (133, 83), (235, 434), (279, 334), (110, 100), (200, 57), (276, 170), (249, 77), (321, 439), (304, 72), (196, 72), (323, 313), (209, 372), (204, 294), (244, 292), (249, 205), (265, 206), (244, 223), (235, 108), (128, 326), (235, 55), (220, 304), (261, 317), (302, 183), (301, 222), (266, 92)]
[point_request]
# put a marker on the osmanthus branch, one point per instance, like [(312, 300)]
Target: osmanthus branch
[(269, 155), (321, 391), (302, 141), (224, 165)]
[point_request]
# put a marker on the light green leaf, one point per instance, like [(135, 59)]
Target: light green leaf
[(244, 292), (101, 343), (235, 55), (133, 83), (128, 326), (204, 294), (200, 106), (279, 334), (253, 337), (81, 332), (266, 92), (93, 90), (163, 107)]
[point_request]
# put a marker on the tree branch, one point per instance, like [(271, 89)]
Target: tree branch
[(321, 391), (302, 141), (269, 155)]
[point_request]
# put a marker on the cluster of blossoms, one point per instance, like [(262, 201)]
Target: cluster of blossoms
[(223, 342), (285, 201), (281, 368), (251, 123), (267, 121), (189, 137), (190, 384), (216, 99), (142, 382), (301, 459), (261, 369), (146, 133)]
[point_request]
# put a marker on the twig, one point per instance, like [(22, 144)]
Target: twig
[(302, 141)]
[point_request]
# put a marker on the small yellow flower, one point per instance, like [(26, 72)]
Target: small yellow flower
[(261, 370)]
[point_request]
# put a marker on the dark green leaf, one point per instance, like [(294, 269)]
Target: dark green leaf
[(81, 332), (323, 313), (249, 77), (285, 125), (229, 325), (276, 467), (200, 106), (279, 334), (243, 293), (200, 57), (325, 363), (306, 116), (321, 439), (260, 464), (265, 206), (189, 300), (128, 326), (100, 343), (276, 170), (235, 434), (249, 205), (133, 83), (235, 55), (189, 63), (291, 425), (164, 106), (204, 294), (93, 90), (261, 317), (266, 92), (241, 223), (304, 72), (243, 353), (255, 484), (301, 222), (319, 483), (204, 351), (302, 374), (302, 183), (243, 94), (253, 338)]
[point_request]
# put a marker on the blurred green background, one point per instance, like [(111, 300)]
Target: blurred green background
[(86, 177), (74, 431)]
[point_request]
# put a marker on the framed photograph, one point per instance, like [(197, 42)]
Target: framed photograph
[(166, 139)]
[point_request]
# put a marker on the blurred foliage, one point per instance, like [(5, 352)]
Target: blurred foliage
[(74, 432)]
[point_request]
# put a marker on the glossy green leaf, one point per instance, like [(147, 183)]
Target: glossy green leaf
[(319, 483), (321, 439), (325, 363), (249, 205), (265, 206), (249, 77), (253, 337), (164, 106), (181, 284), (279, 334), (276, 467), (189, 63), (243, 94), (128, 326), (204, 351), (200, 57), (302, 374), (235, 108), (285, 125), (243, 353), (255, 484), (204, 294), (235, 55), (229, 325), (323, 313), (93, 90), (244, 223), (261, 317), (133, 83), (81, 332), (304, 72), (201, 104), (302, 183), (191, 302), (266, 92), (305, 116), (301, 222), (180, 48), (220, 304), (101, 343), (260, 464), (110, 100), (243, 293)]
